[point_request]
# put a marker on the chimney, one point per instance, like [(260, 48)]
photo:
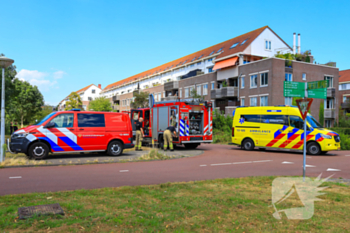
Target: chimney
[(294, 45), (299, 47), (99, 86)]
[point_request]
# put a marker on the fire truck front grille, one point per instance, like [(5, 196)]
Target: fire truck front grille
[(196, 139)]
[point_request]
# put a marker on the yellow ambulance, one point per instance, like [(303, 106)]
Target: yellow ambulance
[(280, 127)]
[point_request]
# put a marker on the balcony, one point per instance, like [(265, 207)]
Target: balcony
[(345, 105), (329, 113), (115, 107), (224, 92), (173, 85), (331, 92)]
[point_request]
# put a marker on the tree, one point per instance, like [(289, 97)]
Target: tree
[(27, 101), (45, 110), (321, 113), (195, 95), (100, 104), (141, 100), (74, 101)]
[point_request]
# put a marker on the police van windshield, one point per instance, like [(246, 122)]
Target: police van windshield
[(313, 122), (45, 118)]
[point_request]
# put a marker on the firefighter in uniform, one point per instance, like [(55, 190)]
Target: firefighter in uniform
[(139, 134), (168, 138)]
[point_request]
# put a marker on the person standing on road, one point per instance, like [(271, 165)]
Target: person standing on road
[(139, 134), (168, 138)]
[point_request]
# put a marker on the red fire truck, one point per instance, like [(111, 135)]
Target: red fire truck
[(192, 121)]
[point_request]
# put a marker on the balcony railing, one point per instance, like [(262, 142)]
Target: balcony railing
[(329, 113), (331, 92), (224, 92), (345, 105), (171, 85)]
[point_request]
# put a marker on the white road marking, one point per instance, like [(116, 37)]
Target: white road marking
[(15, 177), (333, 170), (242, 162), (204, 165), (123, 170), (309, 165), (262, 161), (286, 162), (218, 164), (347, 155)]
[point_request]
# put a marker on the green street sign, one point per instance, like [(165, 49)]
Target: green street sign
[(320, 93), (293, 89), (318, 84)]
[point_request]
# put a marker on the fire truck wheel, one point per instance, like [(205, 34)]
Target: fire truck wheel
[(38, 150), (313, 148), (248, 144), (191, 146), (115, 148)]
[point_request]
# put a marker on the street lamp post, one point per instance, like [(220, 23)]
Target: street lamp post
[(4, 63)]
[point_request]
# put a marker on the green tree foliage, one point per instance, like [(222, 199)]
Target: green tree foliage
[(100, 104), (45, 110), (74, 101), (296, 57), (26, 102), (222, 128), (195, 95), (321, 113), (141, 100)]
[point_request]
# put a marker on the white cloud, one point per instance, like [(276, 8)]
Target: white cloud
[(59, 74), (44, 81)]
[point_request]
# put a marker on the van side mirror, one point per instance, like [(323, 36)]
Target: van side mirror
[(50, 125)]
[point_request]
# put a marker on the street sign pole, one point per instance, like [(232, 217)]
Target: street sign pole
[(304, 151)]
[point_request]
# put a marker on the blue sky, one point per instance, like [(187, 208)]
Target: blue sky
[(63, 46)]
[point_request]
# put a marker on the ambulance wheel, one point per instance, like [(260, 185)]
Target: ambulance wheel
[(313, 148), (248, 144), (38, 150), (115, 148)]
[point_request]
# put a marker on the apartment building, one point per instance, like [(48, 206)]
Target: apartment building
[(344, 90), (87, 94), (242, 71)]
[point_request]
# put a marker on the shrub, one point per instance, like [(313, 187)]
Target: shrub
[(222, 128)]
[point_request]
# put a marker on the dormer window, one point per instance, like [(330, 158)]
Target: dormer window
[(234, 45)]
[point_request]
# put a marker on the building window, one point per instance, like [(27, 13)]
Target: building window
[(264, 101), (234, 45), (210, 69), (288, 77), (344, 99), (264, 79), (180, 93), (205, 89), (198, 63), (199, 90), (254, 101), (89, 98), (330, 80), (186, 92), (191, 91), (328, 123), (93, 91), (242, 82), (329, 104), (210, 59), (304, 76), (244, 41), (267, 44), (213, 85), (288, 101), (253, 81), (242, 102), (159, 97), (192, 65)]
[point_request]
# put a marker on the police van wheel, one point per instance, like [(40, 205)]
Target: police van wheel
[(115, 148), (38, 150), (313, 148), (248, 144)]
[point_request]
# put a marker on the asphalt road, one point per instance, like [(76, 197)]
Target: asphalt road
[(217, 161)]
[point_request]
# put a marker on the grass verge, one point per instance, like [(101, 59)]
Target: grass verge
[(234, 204), (19, 160), (153, 154)]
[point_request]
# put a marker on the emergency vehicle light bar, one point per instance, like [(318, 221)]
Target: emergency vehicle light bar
[(75, 109)]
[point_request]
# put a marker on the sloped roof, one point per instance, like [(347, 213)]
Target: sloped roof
[(225, 51), (84, 89), (344, 76)]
